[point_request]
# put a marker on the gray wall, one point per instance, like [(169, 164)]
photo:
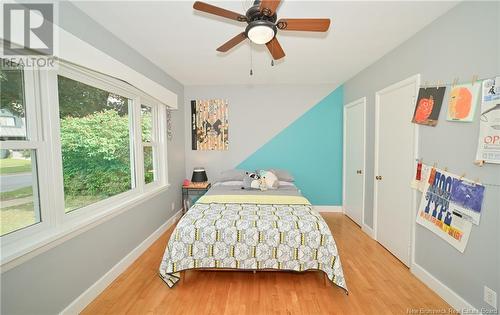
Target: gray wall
[(461, 43), (256, 114), (49, 282)]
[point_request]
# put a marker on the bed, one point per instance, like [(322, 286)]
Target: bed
[(237, 229)]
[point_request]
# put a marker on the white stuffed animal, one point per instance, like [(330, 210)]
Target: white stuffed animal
[(270, 179), (262, 184)]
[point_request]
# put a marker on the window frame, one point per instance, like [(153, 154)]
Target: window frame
[(93, 80), (34, 141), (56, 225), (153, 144)]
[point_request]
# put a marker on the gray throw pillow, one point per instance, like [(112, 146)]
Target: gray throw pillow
[(231, 175), (283, 175)]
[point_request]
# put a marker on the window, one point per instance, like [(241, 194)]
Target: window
[(148, 142), (20, 206), (13, 104), (76, 146), (95, 143), (19, 196)]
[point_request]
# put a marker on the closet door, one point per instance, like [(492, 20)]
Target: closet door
[(394, 166), (354, 160)]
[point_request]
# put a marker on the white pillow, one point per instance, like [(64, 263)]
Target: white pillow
[(231, 183), (283, 175)]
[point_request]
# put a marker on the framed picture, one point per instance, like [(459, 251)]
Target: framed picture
[(209, 125)]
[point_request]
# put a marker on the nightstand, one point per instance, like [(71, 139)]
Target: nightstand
[(191, 193)]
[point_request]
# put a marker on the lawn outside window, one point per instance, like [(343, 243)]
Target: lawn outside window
[(92, 147)]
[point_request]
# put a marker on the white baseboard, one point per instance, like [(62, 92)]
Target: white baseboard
[(93, 291), (368, 230), (447, 294), (328, 208)]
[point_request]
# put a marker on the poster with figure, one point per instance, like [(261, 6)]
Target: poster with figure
[(445, 204), (463, 101), (428, 105), (488, 148), (209, 125)]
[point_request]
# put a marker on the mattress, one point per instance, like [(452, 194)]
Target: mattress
[(234, 228)]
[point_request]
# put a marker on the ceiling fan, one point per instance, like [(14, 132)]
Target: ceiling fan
[(262, 26)]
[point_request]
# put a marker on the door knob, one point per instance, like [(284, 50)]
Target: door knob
[(359, 172), (378, 177)]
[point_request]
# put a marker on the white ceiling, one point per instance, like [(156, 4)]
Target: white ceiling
[(182, 41)]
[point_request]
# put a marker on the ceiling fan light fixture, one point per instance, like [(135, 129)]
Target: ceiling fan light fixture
[(262, 28), (261, 32)]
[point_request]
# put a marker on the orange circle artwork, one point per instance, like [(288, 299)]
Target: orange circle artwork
[(424, 109), (460, 103)]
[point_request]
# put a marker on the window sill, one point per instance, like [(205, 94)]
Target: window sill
[(23, 250)]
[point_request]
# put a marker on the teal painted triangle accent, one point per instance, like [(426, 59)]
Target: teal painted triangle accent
[(311, 149)]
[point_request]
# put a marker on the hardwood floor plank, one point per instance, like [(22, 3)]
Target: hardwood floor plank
[(378, 284)]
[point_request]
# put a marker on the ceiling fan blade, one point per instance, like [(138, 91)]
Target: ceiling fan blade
[(208, 8), (268, 7), (310, 25), (275, 49), (232, 42)]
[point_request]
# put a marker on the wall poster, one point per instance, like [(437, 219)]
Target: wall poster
[(428, 105), (463, 101), (488, 148), (422, 176), (209, 125), (449, 206)]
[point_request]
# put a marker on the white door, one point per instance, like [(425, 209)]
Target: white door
[(354, 159), (395, 153)]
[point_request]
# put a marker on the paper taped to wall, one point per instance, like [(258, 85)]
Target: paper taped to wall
[(420, 183), (449, 206), (463, 102), (488, 148)]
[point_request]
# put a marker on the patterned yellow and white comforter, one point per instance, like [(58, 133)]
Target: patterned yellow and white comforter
[(241, 233)]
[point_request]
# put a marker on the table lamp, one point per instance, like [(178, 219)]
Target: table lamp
[(199, 176)]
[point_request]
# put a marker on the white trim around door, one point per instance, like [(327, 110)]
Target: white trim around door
[(416, 80), (362, 102)]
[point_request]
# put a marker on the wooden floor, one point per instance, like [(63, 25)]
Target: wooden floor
[(378, 284)]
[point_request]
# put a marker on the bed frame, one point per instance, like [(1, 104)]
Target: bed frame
[(183, 272)]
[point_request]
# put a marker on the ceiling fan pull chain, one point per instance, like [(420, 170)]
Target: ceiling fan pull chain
[(251, 60)]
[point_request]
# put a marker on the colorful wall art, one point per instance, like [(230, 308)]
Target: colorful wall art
[(488, 148), (421, 177), (466, 198), (428, 105), (450, 205), (209, 125), (463, 101)]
